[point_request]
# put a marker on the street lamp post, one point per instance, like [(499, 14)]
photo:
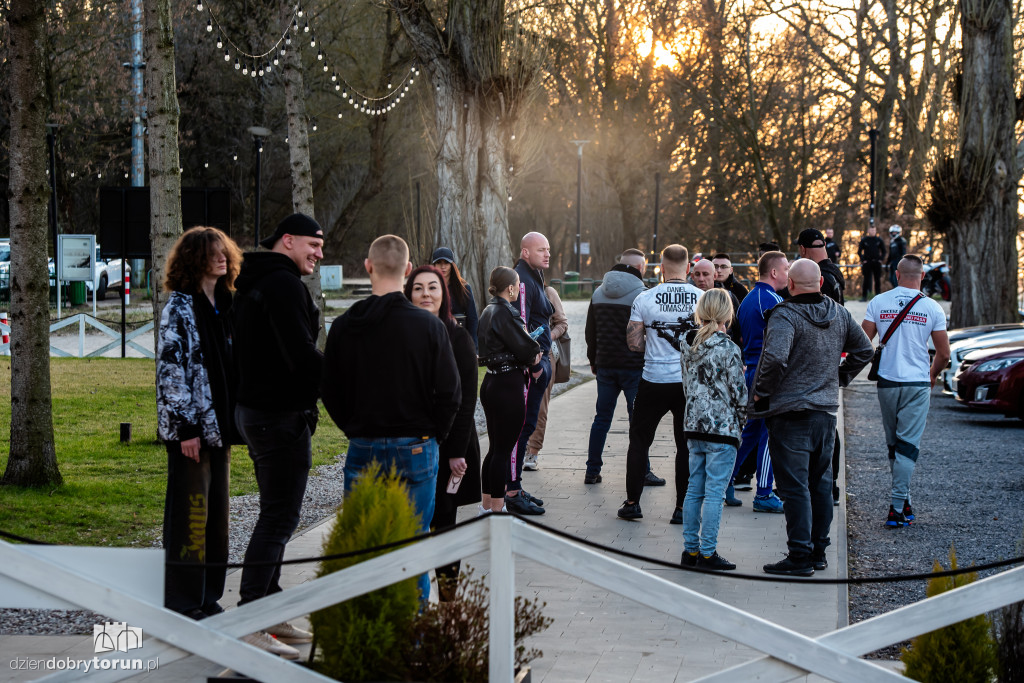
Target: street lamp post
[(258, 133), (873, 135), (51, 144), (579, 200)]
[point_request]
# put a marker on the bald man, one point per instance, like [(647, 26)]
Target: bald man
[(796, 390), (536, 311), (704, 276)]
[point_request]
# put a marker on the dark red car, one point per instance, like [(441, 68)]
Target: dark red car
[(993, 380)]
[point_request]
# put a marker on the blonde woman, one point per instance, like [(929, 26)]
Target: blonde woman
[(716, 400)]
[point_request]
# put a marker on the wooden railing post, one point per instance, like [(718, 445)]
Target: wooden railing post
[(503, 596)]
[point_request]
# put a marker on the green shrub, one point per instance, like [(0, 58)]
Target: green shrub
[(960, 653), (363, 638)]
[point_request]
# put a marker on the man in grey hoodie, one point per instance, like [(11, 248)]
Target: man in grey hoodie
[(796, 388), (617, 368)]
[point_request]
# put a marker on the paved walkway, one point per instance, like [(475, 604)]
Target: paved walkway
[(596, 636)]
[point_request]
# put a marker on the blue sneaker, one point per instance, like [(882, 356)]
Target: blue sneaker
[(769, 503), (908, 512), (730, 497)]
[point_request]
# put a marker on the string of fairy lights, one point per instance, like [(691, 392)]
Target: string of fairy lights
[(258, 65)]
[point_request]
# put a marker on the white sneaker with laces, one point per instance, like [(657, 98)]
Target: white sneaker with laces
[(266, 642), (287, 633), (530, 462)]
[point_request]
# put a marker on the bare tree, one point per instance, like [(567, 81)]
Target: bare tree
[(33, 457)]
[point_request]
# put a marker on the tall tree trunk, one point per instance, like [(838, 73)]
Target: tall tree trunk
[(163, 114), (33, 458), (302, 176), (982, 245)]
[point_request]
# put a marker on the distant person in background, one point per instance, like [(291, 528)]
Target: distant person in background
[(703, 278), (765, 247), (831, 248), (195, 415), (462, 300), (559, 326), (897, 250), (459, 454), (871, 252), (724, 276)]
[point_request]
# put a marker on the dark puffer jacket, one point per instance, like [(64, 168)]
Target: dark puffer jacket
[(607, 318)]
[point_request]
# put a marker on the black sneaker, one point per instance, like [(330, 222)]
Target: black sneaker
[(908, 512), (896, 519), (714, 561), (533, 499), (818, 559), (689, 559), (791, 565), (592, 479), (521, 505), (651, 479), (630, 511), (743, 484), (677, 516)]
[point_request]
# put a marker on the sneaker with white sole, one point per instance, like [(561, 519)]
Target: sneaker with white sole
[(530, 462), (263, 641), (287, 633)]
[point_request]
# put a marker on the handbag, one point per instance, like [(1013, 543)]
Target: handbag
[(561, 355), (876, 359)]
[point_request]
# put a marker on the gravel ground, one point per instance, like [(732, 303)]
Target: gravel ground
[(966, 493)]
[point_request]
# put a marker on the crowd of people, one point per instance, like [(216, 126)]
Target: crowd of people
[(751, 379)]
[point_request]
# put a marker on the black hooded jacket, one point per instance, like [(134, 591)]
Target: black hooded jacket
[(276, 324), (834, 285), (389, 371)]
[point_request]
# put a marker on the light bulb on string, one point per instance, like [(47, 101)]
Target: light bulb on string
[(237, 65), (312, 39), (334, 77), (389, 86), (234, 157), (298, 10), (287, 39), (245, 69), (252, 73), (209, 26), (267, 67), (261, 71), (344, 94), (337, 87), (220, 41), (314, 125), (98, 176), (206, 164), (339, 114), (295, 25), (275, 60), (126, 176), (305, 28), (319, 55), (227, 56), (199, 5), (72, 174), (326, 67)]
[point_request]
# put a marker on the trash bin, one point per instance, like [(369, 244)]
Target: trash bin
[(77, 294), (571, 282)]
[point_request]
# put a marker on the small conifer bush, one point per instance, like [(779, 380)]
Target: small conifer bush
[(960, 653)]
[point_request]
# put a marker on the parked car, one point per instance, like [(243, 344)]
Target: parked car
[(108, 276), (5, 264), (993, 380), (958, 350)]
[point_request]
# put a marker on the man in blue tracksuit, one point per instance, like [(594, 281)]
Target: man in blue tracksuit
[(773, 271), (535, 257)]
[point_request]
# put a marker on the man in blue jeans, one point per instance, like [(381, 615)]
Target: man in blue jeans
[(390, 382), (617, 368)]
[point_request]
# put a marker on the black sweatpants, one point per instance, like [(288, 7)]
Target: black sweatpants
[(651, 404), (195, 526), (872, 271), (503, 398)]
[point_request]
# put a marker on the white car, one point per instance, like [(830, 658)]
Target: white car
[(108, 276), (959, 349)]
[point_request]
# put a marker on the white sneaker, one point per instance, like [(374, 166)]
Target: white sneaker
[(287, 633), (481, 511), (266, 642), (530, 462)]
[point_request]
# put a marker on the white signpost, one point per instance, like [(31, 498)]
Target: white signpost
[(76, 262)]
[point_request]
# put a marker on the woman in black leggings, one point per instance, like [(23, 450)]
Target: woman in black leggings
[(507, 350)]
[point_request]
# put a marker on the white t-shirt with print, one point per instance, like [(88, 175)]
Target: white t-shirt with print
[(669, 302), (905, 358)]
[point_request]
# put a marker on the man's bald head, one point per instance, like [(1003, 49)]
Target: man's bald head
[(535, 250), (804, 277), (703, 275), (909, 271)]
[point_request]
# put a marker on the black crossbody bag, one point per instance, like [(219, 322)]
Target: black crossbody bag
[(877, 358)]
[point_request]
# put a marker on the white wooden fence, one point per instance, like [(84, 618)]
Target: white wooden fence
[(833, 656), (83, 319)]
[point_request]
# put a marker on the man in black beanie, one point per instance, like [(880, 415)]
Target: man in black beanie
[(279, 366)]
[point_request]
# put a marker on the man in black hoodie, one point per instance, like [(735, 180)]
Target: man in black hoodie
[(276, 325), (390, 381), (871, 252)]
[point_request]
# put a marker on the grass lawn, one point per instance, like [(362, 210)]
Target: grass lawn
[(113, 493)]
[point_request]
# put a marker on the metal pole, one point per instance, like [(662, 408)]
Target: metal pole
[(873, 135), (419, 237), (124, 260), (579, 200), (657, 203), (256, 212), (138, 169), (51, 143)]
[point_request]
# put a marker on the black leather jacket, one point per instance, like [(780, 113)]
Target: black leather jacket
[(501, 333)]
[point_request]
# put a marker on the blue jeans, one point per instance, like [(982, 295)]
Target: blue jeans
[(610, 381), (415, 460), (711, 466), (533, 400), (279, 445), (801, 444), (754, 440)]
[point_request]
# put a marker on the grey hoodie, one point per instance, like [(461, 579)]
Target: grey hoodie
[(799, 367)]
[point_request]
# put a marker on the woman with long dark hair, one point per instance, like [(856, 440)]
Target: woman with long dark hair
[(510, 355), (195, 409), (461, 294), (458, 471)]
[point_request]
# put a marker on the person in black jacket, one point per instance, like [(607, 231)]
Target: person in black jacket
[(616, 367), (276, 325), (831, 248), (897, 250), (507, 350), (871, 252), (458, 463), (195, 415), (461, 294), (390, 382), (725, 277)]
